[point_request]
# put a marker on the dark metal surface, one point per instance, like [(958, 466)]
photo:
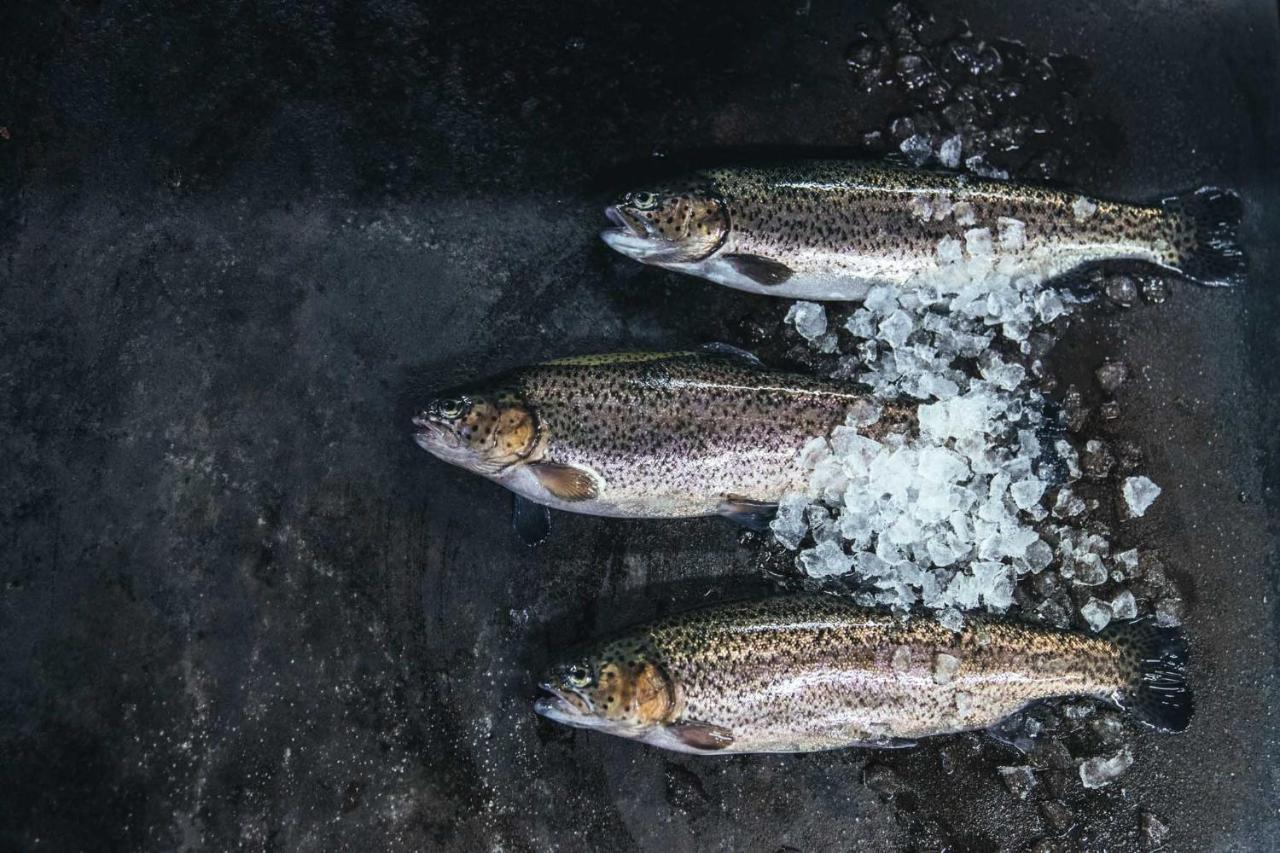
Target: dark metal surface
[(240, 608)]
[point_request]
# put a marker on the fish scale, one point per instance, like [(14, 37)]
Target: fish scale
[(817, 672), (804, 673), (835, 229), (679, 433)]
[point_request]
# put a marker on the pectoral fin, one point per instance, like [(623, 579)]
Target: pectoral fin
[(531, 521), (565, 481), (751, 514), (699, 735), (759, 269)]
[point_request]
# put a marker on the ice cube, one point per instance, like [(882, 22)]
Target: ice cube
[(1139, 493), (862, 413), (951, 619), (917, 149), (810, 319), (1111, 375), (950, 250), (1096, 613), (1019, 780), (1082, 208), (1027, 493), (901, 660), (1155, 832), (1012, 234), (789, 526), (964, 213), (1169, 611), (1123, 606), (826, 559), (896, 328), (814, 452), (1102, 771), (977, 242), (945, 667), (949, 151)]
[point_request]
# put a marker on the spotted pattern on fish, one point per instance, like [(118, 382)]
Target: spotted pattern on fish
[(831, 229), (805, 673), (662, 434)]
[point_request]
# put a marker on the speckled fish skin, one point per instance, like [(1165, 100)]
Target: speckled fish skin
[(655, 435), (830, 230), (805, 673)]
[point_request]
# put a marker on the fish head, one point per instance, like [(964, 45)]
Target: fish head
[(485, 430), (671, 224), (618, 688)]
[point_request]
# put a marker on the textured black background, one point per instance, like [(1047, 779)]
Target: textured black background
[(238, 239)]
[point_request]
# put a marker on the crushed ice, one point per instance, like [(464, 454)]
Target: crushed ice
[(953, 514)]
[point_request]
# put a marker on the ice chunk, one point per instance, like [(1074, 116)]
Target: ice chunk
[(1019, 780), (1155, 832), (1096, 613), (1098, 772), (1123, 606), (945, 667), (938, 465), (1049, 305), (1012, 234), (963, 213), (1139, 493), (789, 526), (1111, 375), (949, 151), (1027, 493), (825, 560), (917, 149), (862, 413), (1169, 611), (977, 242), (951, 619), (1082, 208), (814, 452), (950, 251), (810, 320), (896, 328), (901, 660)]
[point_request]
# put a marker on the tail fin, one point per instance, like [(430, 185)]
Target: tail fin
[(1155, 659), (1205, 225)]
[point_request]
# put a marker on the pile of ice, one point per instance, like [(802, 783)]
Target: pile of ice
[(949, 515)]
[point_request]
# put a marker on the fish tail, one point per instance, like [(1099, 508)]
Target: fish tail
[(1205, 226), (1155, 669)]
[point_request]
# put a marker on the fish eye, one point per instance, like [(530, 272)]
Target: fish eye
[(452, 407), (644, 200), (578, 675)]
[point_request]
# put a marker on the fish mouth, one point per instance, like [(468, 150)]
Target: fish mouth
[(433, 436), (630, 236), (562, 706)]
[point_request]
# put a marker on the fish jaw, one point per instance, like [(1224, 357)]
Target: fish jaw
[(629, 237), (441, 442)]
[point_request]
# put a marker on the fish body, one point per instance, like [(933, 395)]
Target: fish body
[(644, 435), (832, 230), (806, 673)]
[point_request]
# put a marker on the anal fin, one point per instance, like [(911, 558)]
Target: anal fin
[(531, 521)]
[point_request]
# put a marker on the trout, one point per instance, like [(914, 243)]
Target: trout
[(830, 230), (807, 673), (645, 434)]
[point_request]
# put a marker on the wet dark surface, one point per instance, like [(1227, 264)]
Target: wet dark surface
[(241, 609)]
